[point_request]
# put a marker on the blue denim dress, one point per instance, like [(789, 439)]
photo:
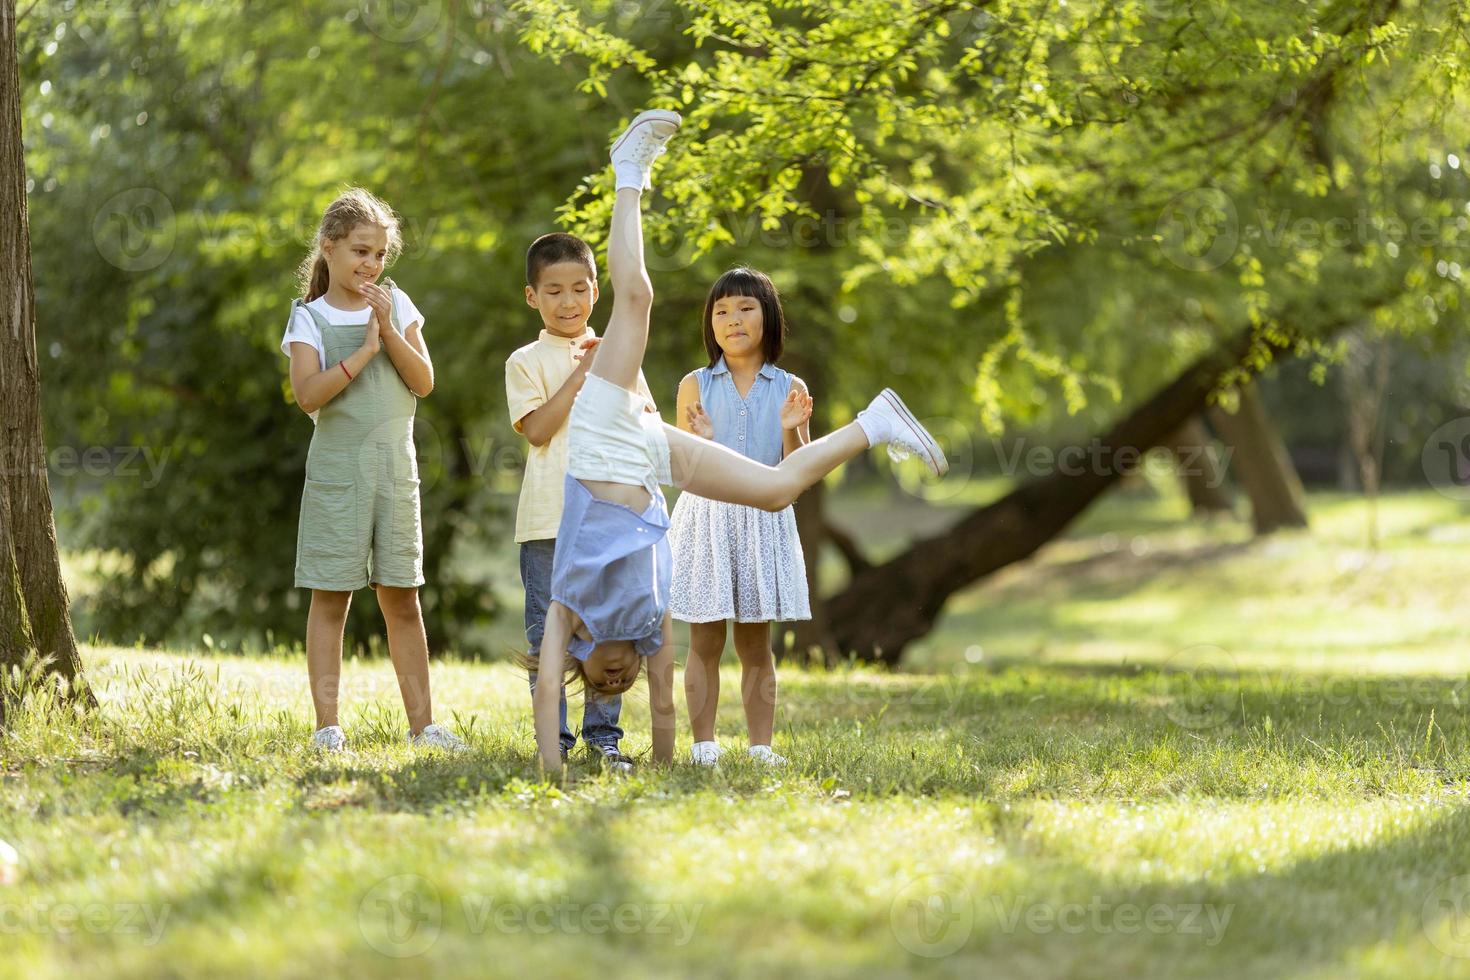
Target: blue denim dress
[(734, 562), (612, 568), (751, 425)]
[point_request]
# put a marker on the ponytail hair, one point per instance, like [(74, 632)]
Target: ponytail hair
[(353, 207)]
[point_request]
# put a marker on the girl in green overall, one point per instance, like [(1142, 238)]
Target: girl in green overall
[(360, 520)]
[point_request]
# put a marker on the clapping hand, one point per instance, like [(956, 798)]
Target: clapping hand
[(699, 422), (796, 411), (588, 350), (380, 301)]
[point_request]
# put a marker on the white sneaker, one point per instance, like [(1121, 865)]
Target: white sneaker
[(888, 420), (640, 144), (438, 737), (763, 753), (612, 759), (329, 739), (706, 753)]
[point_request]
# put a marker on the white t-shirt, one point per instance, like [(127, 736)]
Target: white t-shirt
[(302, 327)]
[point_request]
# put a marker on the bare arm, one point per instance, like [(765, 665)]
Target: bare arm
[(560, 622), (312, 387), (539, 425), (410, 355), (661, 695)]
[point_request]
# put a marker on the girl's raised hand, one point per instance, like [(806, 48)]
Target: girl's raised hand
[(380, 301), (372, 341), (796, 410), (699, 422)]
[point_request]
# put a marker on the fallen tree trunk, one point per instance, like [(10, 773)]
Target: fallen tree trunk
[(887, 606)]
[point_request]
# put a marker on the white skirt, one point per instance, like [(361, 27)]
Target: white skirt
[(736, 562)]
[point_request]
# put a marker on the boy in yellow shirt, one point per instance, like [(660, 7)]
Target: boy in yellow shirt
[(541, 382)]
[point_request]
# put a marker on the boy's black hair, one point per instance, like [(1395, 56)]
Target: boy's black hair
[(745, 281), (557, 247)]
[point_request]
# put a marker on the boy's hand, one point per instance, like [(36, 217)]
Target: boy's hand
[(588, 348), (699, 422), (796, 410)]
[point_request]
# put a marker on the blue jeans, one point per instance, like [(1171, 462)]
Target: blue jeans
[(599, 714)]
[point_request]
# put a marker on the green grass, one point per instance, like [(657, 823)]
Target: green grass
[(1223, 757)]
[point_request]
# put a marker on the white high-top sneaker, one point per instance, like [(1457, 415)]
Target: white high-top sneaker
[(888, 420), (764, 754), (640, 144), (705, 753), (436, 736), (329, 739)]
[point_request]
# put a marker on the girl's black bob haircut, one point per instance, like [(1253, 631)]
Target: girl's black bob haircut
[(744, 281)]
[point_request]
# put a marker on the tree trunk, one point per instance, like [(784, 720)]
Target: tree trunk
[(1199, 469), (1262, 465), (34, 610), (889, 605), (1364, 377)]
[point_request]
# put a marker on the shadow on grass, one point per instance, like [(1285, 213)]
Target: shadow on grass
[(1314, 915)]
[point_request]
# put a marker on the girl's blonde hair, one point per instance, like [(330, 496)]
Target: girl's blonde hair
[(352, 207)]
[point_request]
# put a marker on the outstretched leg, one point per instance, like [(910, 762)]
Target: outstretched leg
[(711, 470)]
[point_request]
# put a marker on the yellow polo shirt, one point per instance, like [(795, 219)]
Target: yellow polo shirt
[(532, 375)]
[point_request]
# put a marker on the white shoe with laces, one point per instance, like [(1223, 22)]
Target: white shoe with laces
[(706, 753), (438, 737), (763, 754), (329, 739), (888, 420), (640, 144)]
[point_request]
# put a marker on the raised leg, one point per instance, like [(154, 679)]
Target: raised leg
[(619, 357), (711, 470)]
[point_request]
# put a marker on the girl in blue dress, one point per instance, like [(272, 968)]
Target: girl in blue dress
[(731, 562)]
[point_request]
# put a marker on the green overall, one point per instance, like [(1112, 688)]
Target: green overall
[(360, 520)]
